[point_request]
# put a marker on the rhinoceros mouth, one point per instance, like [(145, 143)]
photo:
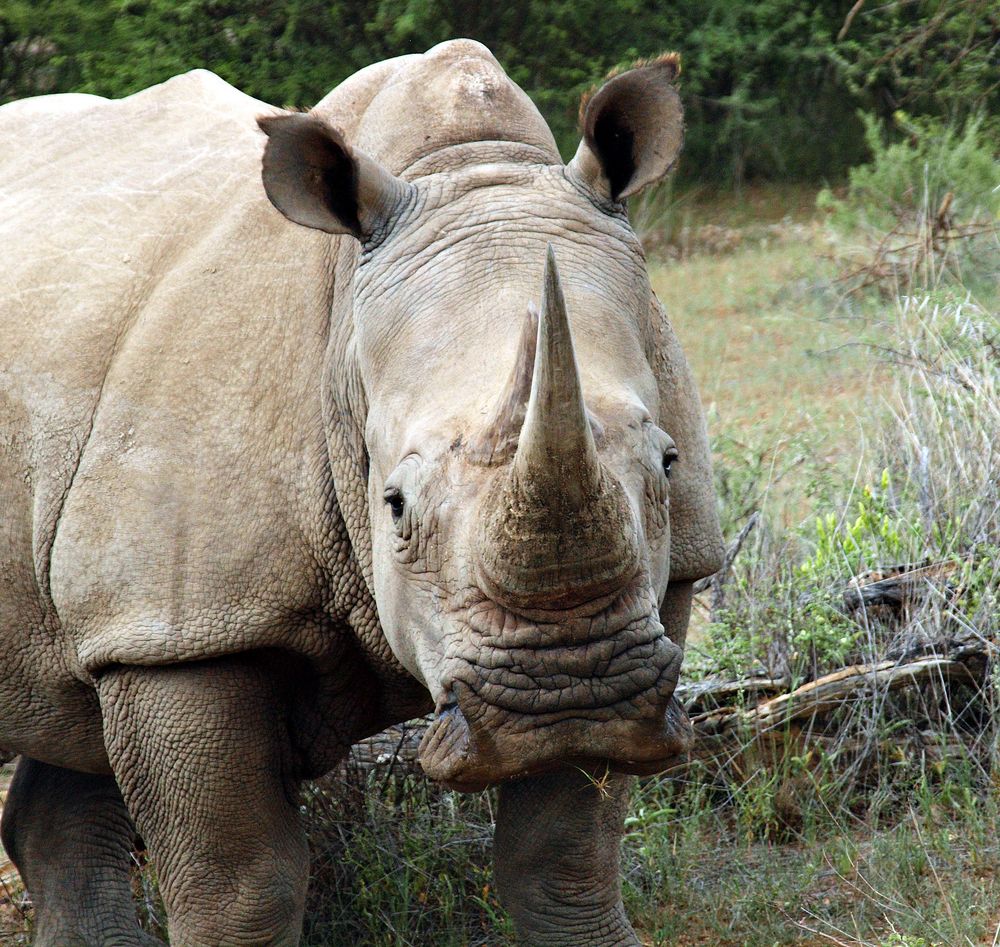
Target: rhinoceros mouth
[(594, 692), (470, 759)]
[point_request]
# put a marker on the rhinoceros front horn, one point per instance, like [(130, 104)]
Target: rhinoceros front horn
[(556, 450), (556, 530)]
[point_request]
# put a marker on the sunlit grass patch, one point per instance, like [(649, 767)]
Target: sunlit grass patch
[(773, 354)]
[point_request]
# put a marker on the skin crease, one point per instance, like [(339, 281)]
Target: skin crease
[(204, 595)]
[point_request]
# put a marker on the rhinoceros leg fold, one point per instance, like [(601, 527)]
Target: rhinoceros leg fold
[(71, 837), (203, 760), (556, 855)]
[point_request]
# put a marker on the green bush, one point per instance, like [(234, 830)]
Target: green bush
[(911, 175)]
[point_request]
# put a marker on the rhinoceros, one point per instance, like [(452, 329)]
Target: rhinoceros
[(313, 422)]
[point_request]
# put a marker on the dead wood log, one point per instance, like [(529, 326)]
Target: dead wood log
[(897, 586), (711, 694), (830, 692)]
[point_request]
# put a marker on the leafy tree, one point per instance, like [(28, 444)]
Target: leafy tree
[(772, 87), (925, 57)]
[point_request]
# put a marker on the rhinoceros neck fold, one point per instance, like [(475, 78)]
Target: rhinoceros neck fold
[(459, 155)]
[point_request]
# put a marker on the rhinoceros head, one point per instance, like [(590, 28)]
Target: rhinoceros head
[(518, 485)]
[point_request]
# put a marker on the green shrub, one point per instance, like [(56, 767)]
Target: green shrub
[(771, 87), (909, 176)]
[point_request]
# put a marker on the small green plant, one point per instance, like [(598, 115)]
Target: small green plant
[(878, 533), (904, 940)]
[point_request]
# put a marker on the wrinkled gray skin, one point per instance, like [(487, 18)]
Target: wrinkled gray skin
[(268, 488)]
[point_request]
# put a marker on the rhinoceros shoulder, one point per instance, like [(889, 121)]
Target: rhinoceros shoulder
[(49, 105), (164, 332)]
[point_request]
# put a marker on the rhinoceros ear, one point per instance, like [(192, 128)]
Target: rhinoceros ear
[(633, 129), (314, 178)]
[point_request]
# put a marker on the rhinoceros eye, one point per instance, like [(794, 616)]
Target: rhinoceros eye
[(669, 457), (394, 499)]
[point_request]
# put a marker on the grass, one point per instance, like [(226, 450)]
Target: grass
[(778, 368), (763, 339), (400, 862), (929, 872), (879, 415)]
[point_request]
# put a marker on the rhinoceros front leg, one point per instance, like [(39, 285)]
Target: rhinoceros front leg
[(71, 839), (201, 754), (556, 855)]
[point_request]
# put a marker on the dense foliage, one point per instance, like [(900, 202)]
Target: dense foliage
[(772, 88)]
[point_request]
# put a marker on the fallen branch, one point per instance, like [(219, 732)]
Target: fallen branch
[(830, 692), (899, 586), (712, 693)]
